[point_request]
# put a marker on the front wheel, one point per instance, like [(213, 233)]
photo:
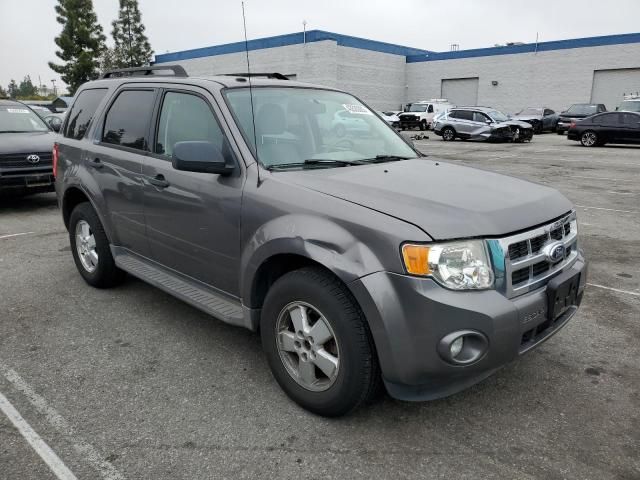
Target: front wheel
[(448, 134), (589, 139), (318, 343), (423, 125), (90, 248)]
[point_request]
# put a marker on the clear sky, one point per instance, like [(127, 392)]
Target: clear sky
[(27, 27)]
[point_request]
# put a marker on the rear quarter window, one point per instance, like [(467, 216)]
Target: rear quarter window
[(128, 119), (82, 112)]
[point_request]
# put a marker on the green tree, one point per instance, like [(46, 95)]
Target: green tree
[(81, 42), (3, 92), (107, 60), (132, 48), (27, 88), (13, 88)]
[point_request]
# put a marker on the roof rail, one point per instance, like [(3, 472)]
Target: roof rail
[(177, 70), (275, 75)]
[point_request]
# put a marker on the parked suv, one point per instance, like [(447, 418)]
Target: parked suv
[(480, 123), (26, 142), (356, 258), (421, 114)]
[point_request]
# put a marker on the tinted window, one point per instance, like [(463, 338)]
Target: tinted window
[(462, 114), (606, 119), (127, 122), (82, 112), (480, 117), (430, 110), (549, 112), (631, 119), (582, 109), (185, 117)]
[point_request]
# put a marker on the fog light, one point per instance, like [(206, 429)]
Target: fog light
[(456, 347), (463, 347)]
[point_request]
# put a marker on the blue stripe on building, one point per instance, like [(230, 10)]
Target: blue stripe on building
[(291, 39)]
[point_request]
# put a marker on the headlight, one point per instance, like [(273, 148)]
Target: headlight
[(460, 265)]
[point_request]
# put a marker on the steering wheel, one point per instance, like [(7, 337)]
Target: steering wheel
[(344, 144)]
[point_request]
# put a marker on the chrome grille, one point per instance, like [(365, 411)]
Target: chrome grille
[(526, 265), (20, 160)]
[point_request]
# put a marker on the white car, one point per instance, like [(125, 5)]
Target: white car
[(390, 117), (631, 103)]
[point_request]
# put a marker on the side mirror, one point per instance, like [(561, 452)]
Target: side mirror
[(488, 122), (198, 156), (55, 123)]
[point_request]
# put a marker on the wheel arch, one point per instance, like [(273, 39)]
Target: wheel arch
[(73, 196)]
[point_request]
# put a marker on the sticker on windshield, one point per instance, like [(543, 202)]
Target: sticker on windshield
[(357, 109), (17, 110)]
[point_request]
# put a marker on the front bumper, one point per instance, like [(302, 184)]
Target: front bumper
[(31, 179), (408, 317)]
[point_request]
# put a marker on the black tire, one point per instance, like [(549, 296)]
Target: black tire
[(423, 125), (448, 134), (106, 274), (589, 138), (358, 379), (537, 128)]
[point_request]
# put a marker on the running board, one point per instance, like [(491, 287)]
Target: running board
[(184, 288)]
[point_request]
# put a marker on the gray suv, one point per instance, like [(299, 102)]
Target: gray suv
[(360, 262)]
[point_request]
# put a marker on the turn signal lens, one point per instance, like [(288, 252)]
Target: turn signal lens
[(55, 159), (416, 259)]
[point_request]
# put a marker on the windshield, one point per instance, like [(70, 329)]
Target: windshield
[(297, 124), (20, 119), (531, 111), (418, 108), (582, 109), (630, 106), (497, 116)]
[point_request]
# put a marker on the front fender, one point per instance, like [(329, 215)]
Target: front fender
[(316, 238)]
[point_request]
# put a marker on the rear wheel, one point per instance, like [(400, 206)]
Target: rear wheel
[(589, 139), (318, 343), (448, 134), (423, 125), (90, 248)]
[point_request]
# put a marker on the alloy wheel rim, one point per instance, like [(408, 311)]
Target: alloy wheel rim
[(448, 134), (307, 346), (589, 139), (86, 246)]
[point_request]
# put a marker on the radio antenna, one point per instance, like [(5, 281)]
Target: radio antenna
[(253, 114)]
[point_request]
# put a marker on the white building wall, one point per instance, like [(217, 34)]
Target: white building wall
[(312, 62), (377, 78), (554, 79)]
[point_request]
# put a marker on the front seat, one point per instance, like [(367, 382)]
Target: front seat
[(275, 144)]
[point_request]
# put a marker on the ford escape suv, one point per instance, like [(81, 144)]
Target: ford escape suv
[(360, 262)]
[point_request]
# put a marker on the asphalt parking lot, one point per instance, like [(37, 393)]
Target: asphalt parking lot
[(130, 383)]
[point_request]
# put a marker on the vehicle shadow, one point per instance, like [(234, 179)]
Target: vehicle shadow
[(19, 203)]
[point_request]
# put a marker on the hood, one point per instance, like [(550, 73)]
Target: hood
[(516, 123), (526, 118), (444, 200), (32, 142)]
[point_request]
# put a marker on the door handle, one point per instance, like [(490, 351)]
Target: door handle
[(96, 163), (159, 181)]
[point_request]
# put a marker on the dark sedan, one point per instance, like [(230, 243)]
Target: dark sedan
[(577, 111), (611, 127), (541, 118)]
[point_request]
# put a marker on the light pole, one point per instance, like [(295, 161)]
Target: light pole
[(304, 32), (53, 82)]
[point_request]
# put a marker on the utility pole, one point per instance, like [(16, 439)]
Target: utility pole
[(304, 32), (55, 92)]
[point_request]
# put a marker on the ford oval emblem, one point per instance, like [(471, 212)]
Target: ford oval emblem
[(554, 251)]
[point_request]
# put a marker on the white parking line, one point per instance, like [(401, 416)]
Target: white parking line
[(635, 294), (15, 235), (87, 451), (607, 209), (56, 465)]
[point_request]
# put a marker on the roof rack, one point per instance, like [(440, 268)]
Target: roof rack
[(275, 75), (177, 70)]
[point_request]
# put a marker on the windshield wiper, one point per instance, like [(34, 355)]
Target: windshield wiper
[(315, 162), (20, 131), (384, 158)]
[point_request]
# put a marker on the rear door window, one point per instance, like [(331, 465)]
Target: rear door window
[(465, 115), (82, 111), (127, 121)]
